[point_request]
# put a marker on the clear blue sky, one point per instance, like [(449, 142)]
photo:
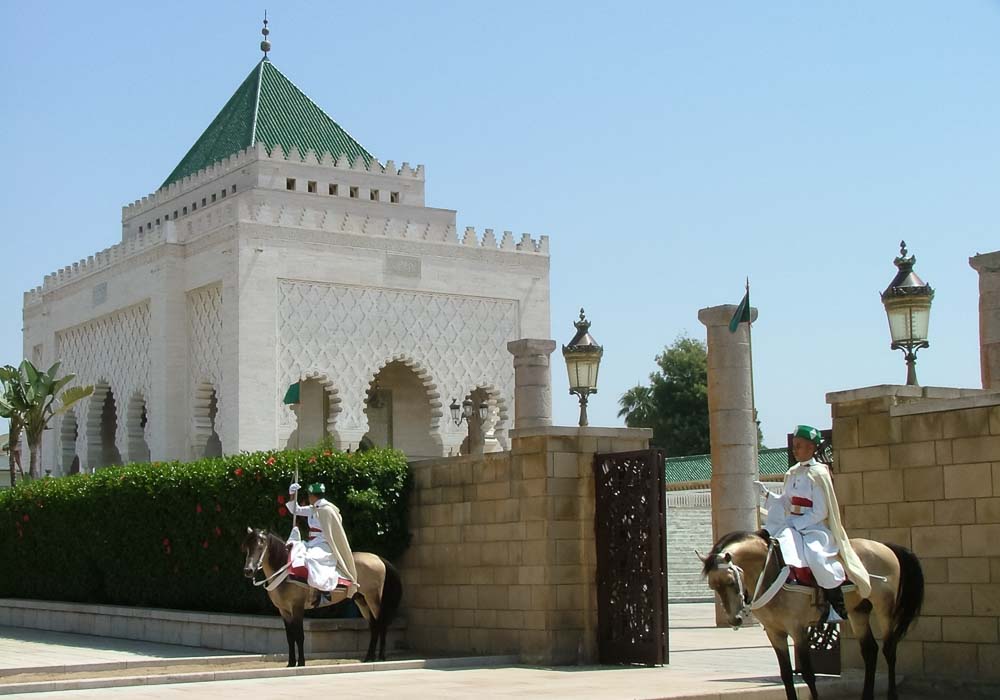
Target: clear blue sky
[(669, 149)]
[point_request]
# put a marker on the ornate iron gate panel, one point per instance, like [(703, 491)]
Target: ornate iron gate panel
[(630, 531)]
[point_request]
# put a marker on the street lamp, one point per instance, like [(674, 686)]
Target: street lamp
[(583, 359), (464, 412), (907, 302)]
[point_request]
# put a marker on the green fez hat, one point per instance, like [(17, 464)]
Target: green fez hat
[(809, 433), (317, 489)]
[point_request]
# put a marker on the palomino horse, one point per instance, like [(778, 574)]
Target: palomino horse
[(379, 591), (742, 571)]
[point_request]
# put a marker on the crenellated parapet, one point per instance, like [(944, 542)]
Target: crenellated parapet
[(99, 261), (258, 152)]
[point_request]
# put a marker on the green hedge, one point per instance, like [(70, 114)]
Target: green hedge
[(168, 534)]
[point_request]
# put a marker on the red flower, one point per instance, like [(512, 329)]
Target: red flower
[(282, 511), (281, 500), (238, 472), (270, 460), (204, 544), (197, 508), (218, 531), (312, 460), (25, 518)]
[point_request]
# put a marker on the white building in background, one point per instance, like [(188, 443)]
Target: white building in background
[(279, 250)]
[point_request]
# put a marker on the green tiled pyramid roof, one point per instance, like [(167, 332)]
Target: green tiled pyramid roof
[(770, 461), (267, 108)]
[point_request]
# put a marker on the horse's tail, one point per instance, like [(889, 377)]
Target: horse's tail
[(392, 594), (910, 596)]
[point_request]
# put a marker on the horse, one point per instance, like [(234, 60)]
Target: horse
[(742, 568), (379, 592)]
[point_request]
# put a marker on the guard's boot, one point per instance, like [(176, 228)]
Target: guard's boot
[(835, 599)]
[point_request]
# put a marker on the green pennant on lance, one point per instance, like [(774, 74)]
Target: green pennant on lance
[(742, 314)]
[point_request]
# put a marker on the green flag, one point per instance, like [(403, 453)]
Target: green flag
[(292, 395), (742, 313)]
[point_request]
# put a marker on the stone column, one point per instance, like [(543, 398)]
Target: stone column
[(532, 382), (988, 267), (731, 425)]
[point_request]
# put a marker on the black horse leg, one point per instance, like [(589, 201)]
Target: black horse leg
[(869, 652), (780, 644), (805, 662), (889, 651), (382, 629), (300, 639), (291, 643)]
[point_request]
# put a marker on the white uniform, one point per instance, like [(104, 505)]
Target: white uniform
[(315, 553), (798, 520)]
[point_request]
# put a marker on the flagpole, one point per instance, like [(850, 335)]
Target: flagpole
[(753, 399)]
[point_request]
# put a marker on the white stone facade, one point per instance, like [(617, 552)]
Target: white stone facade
[(271, 268)]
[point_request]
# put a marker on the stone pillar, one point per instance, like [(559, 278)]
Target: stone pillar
[(988, 267), (731, 425), (532, 382)]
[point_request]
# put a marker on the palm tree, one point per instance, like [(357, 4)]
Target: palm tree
[(35, 404), (637, 407), (11, 395)]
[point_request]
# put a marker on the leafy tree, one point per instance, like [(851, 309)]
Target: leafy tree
[(675, 403), (31, 396), (11, 394)]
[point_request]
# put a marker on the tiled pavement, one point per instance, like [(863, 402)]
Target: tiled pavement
[(704, 661)]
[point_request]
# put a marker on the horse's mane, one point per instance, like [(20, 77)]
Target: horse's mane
[(277, 554), (725, 541)]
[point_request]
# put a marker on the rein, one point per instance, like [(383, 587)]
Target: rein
[(757, 600), (274, 580)]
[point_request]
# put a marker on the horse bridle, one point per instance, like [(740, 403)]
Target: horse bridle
[(739, 576), (274, 580)]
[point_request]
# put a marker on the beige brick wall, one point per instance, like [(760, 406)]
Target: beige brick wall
[(503, 559), (924, 472)]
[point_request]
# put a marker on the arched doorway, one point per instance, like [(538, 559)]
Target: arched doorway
[(102, 427), (205, 440), (400, 411), (69, 431), (315, 413), (135, 425)]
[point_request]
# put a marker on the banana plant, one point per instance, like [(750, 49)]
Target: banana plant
[(11, 395), (37, 404)]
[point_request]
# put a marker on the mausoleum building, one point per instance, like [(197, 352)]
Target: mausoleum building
[(281, 251)]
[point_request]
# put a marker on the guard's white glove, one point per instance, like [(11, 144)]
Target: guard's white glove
[(293, 488), (764, 491)]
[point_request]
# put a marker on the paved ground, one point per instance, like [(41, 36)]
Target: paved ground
[(704, 661)]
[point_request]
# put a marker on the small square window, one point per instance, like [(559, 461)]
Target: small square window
[(204, 201), (157, 222), (354, 193), (175, 213), (234, 189), (311, 186), (373, 195), (394, 197), (333, 189), (213, 197), (290, 183), (222, 194), (194, 206), (185, 211), (140, 228)]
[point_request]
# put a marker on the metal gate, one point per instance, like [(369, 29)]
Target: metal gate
[(630, 531)]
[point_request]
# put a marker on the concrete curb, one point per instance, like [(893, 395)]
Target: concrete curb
[(94, 683)]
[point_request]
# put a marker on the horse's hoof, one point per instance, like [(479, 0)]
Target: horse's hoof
[(290, 664)]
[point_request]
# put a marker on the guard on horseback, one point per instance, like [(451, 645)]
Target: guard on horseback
[(805, 522), (324, 560)]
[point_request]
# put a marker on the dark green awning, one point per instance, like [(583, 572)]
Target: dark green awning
[(292, 395)]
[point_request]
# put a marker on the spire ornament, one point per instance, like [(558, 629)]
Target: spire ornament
[(265, 45)]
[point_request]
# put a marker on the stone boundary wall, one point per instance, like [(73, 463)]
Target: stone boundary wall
[(921, 468), (247, 633), (503, 558)]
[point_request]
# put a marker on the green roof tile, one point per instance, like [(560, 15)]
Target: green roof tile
[(267, 108), (771, 462)]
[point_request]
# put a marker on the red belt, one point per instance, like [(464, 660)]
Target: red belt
[(799, 501)]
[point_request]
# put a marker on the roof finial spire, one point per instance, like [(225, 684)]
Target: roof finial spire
[(265, 45)]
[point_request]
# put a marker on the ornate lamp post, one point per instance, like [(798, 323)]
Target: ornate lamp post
[(583, 360), (907, 302), (464, 412)]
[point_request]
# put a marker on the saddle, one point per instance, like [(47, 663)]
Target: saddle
[(802, 580), (299, 575)]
